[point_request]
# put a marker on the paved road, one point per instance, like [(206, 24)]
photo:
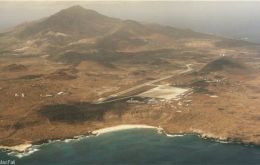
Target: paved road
[(105, 99)]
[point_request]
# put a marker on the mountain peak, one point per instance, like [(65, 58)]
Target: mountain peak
[(74, 20), (78, 11)]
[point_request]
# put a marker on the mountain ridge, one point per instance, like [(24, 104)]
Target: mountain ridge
[(75, 20), (81, 30)]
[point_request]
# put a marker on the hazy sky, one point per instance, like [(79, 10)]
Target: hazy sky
[(142, 0)]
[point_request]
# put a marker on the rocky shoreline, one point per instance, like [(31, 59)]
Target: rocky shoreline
[(23, 148)]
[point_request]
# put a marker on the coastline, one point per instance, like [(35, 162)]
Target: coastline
[(26, 146), (29, 148), (19, 148)]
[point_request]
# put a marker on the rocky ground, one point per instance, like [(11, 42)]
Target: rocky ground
[(52, 80), (41, 99)]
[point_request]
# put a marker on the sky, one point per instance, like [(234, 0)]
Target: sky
[(142, 0)]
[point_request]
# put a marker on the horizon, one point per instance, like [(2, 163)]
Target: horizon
[(130, 1)]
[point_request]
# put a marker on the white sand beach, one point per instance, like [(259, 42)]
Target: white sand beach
[(122, 127)]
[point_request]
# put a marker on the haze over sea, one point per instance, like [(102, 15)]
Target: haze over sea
[(230, 19)]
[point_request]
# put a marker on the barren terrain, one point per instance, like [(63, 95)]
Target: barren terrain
[(52, 88)]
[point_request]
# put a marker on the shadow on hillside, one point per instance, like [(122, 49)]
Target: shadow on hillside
[(81, 111)]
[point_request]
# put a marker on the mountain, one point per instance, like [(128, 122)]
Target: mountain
[(72, 21), (225, 64), (83, 33), (83, 30)]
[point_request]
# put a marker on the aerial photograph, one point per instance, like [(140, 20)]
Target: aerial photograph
[(129, 82)]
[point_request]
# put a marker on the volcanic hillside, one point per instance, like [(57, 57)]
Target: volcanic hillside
[(80, 30), (74, 22), (226, 64)]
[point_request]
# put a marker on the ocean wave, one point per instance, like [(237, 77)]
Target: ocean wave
[(175, 135), (35, 148), (27, 152)]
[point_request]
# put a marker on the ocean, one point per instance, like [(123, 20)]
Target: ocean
[(139, 146)]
